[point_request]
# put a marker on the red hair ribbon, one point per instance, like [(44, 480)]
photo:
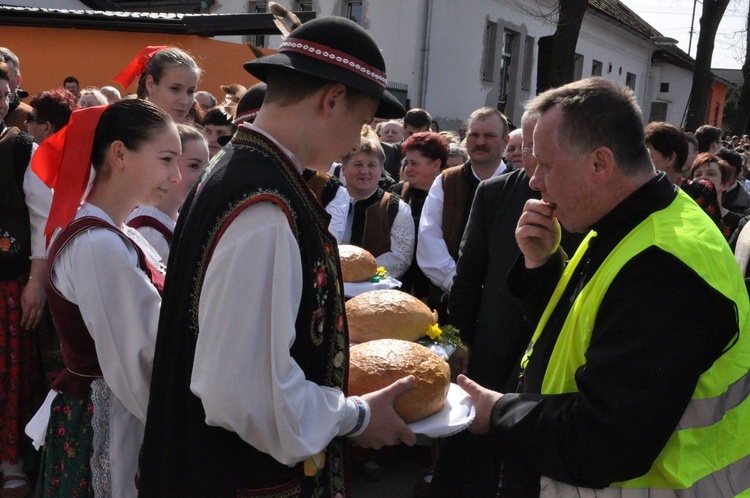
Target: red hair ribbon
[(137, 66), (63, 163)]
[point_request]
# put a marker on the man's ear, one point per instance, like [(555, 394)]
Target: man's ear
[(673, 161), (603, 161), (333, 96)]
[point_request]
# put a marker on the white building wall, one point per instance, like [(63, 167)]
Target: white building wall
[(456, 86), (680, 82), (620, 51), (452, 56)]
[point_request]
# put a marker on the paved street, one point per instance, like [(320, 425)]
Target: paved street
[(402, 468)]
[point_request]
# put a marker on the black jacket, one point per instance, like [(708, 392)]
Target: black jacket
[(658, 328)]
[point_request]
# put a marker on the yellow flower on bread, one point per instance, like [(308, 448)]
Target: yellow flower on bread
[(381, 272), (434, 332)]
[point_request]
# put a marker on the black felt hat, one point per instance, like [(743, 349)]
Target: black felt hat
[(249, 104), (334, 49), (247, 108)]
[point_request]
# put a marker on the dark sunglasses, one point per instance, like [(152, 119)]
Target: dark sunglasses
[(30, 118)]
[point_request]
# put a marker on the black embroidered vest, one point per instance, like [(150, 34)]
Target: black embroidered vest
[(15, 230), (182, 456)]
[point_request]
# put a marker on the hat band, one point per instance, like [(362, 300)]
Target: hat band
[(332, 56), (246, 116)]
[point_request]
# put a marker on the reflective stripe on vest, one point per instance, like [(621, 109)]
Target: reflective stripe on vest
[(737, 478), (712, 439)]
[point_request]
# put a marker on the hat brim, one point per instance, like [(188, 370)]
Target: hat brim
[(224, 139), (389, 108)]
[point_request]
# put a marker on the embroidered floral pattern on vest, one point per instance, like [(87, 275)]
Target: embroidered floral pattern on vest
[(8, 243)]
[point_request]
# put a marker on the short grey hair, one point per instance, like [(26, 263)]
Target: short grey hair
[(9, 58), (458, 151), (598, 112)]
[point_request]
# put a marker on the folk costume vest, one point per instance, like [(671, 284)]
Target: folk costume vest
[(414, 281), (323, 185), (703, 457), (151, 222), (15, 231), (414, 197), (78, 348), (459, 186), (373, 219), (249, 170)]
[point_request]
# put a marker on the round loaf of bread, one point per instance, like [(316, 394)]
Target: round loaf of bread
[(376, 364), (388, 314), (357, 264)]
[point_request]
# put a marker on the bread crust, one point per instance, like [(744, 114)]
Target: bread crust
[(376, 364), (357, 264), (388, 314)]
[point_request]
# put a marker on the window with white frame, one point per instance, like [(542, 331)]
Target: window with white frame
[(578, 67), (528, 63), (354, 11), (630, 80), (658, 111), (509, 40), (490, 40), (596, 68)]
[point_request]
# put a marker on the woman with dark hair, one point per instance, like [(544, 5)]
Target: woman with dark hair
[(717, 171), (103, 289), (425, 156), (167, 76), (156, 223), (217, 122), (50, 111)]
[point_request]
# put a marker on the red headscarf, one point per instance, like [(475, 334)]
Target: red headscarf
[(137, 66), (63, 162)]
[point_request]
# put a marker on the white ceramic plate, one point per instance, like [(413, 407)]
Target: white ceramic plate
[(457, 414)]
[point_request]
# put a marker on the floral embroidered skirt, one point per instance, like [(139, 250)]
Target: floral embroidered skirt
[(19, 370), (65, 468)]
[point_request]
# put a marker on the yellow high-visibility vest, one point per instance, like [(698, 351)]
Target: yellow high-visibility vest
[(708, 455)]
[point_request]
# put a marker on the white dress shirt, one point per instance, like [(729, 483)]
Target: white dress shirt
[(243, 371), (338, 209), (98, 271), (152, 235), (433, 257)]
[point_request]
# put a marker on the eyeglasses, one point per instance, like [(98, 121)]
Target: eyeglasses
[(30, 118), (7, 97)]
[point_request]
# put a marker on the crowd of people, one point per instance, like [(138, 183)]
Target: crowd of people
[(170, 275)]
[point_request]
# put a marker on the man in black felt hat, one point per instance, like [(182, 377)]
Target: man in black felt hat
[(251, 362)]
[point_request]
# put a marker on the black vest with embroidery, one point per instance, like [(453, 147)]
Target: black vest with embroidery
[(182, 456), (15, 230)]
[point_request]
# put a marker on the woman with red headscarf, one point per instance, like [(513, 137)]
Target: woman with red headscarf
[(103, 289), (167, 76)]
